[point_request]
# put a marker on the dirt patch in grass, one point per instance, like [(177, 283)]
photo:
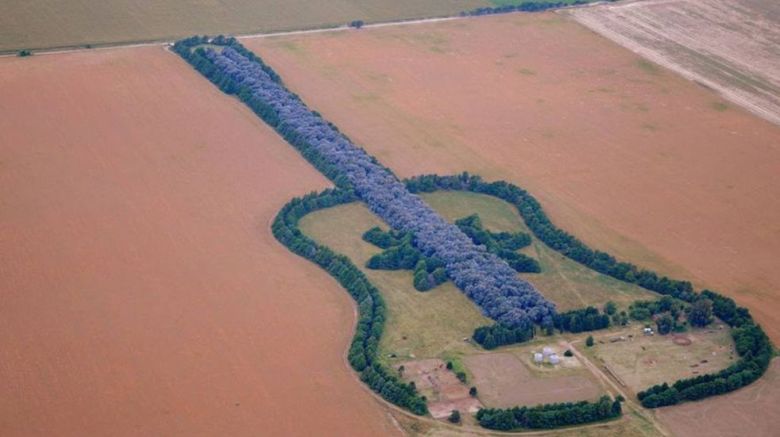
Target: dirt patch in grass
[(642, 361), (503, 380), (750, 411), (142, 291), (444, 391), (648, 171)]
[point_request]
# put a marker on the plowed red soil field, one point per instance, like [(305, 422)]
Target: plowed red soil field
[(628, 156), (750, 411), (141, 290)]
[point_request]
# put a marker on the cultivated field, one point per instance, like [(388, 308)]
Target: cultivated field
[(142, 291), (732, 47), (643, 361), (750, 411), (46, 23), (505, 381), (631, 158)]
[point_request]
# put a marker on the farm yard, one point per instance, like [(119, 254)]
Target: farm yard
[(186, 257), (640, 361), (604, 148)]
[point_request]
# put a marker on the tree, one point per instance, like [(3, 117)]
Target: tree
[(449, 365), (357, 24), (610, 308), (24, 53), (568, 353), (589, 341), (461, 376), (665, 324), (473, 392), (701, 313), (454, 416)]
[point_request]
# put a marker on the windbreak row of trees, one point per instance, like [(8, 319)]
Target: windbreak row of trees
[(752, 344), (526, 6), (549, 416), (363, 351), (484, 277)]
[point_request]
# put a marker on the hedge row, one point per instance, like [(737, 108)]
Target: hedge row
[(549, 416), (527, 6)]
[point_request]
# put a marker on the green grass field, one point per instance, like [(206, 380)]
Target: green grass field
[(36, 24)]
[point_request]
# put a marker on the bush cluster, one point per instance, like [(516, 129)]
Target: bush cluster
[(486, 279), (491, 337), (503, 244), (549, 415), (399, 254), (581, 320), (363, 350)]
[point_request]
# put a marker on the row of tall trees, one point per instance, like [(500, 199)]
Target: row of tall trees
[(484, 277), (523, 6), (549, 416)]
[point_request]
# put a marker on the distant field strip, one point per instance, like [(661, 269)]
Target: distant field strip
[(38, 24), (732, 47)]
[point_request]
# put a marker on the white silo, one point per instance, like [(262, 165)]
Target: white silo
[(538, 358), (547, 351), (554, 359)]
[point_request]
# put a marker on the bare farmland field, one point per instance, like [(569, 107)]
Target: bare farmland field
[(48, 23), (142, 291), (749, 411), (504, 381), (732, 47), (631, 158)]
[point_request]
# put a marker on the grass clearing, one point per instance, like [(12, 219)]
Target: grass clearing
[(643, 361)]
